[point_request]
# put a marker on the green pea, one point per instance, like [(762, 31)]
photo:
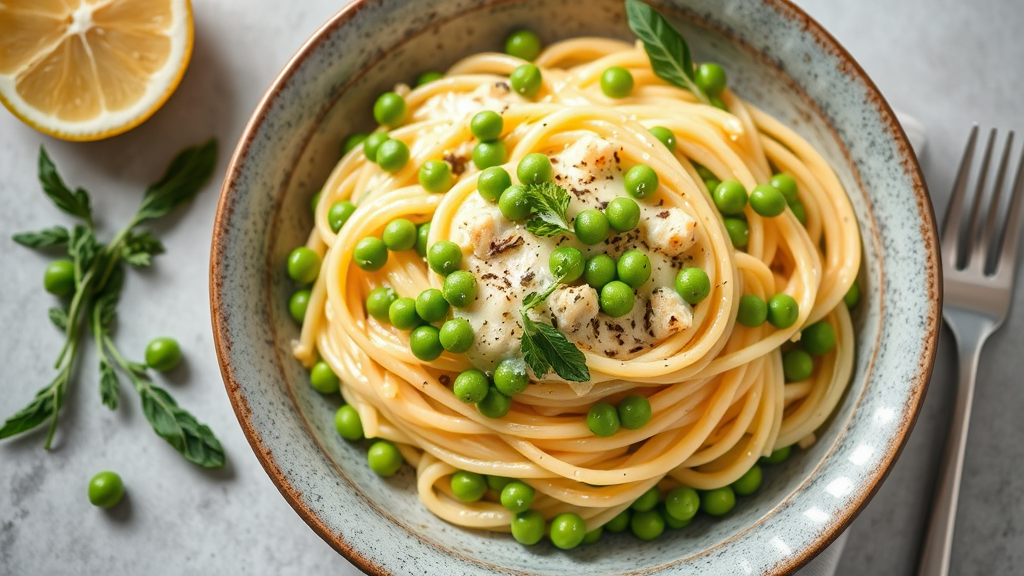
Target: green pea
[(593, 536), (498, 483), (670, 521), (444, 257), (384, 458), (163, 354), (303, 265), (783, 311), (59, 278), (787, 185), (616, 82), (634, 268), (370, 254), (297, 305), (431, 305), (495, 404), (435, 176), (591, 227), (717, 102), (492, 182), (749, 482), (797, 365), (528, 527), (352, 142), (703, 172), (106, 489), (711, 184), (603, 419), (471, 386), (372, 144), (620, 522), (511, 377), (339, 213), (378, 302), (567, 530), (427, 78), (623, 214), (402, 314), (348, 423), (718, 502), (526, 80), (800, 211), (389, 109), (818, 338), (315, 200), (323, 379), (422, 237), (468, 486), (777, 456), (460, 288), (693, 285), (399, 235), (711, 79), (488, 154), (517, 496), (682, 503), (486, 125), (425, 343), (666, 136), (852, 297), (767, 201), (647, 525), (456, 335), (392, 155), (752, 312), (523, 44), (514, 203), (599, 271), (641, 181), (616, 299), (634, 412), (730, 197), (738, 230), (534, 168), (647, 501), (566, 263)]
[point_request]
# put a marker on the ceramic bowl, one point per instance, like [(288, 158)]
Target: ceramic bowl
[(778, 58)]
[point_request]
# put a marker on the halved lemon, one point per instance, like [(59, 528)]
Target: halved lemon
[(90, 69)]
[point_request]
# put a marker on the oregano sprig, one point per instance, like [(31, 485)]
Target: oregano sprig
[(99, 274), (544, 348)]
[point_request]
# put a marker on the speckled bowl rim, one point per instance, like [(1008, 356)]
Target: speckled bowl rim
[(828, 43)]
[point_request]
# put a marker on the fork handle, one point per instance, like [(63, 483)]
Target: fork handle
[(938, 544)]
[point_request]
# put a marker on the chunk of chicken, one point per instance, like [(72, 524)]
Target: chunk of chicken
[(668, 313), (670, 231), (479, 234), (584, 159), (573, 307)]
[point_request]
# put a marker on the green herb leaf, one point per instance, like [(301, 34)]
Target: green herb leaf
[(669, 54), (533, 299), (548, 203), (183, 179), (59, 317), (54, 236), (543, 345), (42, 408), (105, 303), (82, 247), (110, 386), (74, 203), (179, 428), (140, 247)]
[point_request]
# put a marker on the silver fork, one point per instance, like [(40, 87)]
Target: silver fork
[(978, 270)]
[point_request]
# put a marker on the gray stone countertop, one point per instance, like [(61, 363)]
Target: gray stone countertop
[(946, 62)]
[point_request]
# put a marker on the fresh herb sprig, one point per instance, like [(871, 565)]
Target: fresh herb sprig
[(668, 51), (99, 275), (548, 203), (545, 348)]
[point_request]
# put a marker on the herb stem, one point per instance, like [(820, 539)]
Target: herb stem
[(58, 388)]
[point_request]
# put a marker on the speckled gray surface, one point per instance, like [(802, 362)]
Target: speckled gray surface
[(180, 519)]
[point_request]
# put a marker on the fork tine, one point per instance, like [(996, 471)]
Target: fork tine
[(977, 198), (951, 225), (1011, 232), (984, 250)]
